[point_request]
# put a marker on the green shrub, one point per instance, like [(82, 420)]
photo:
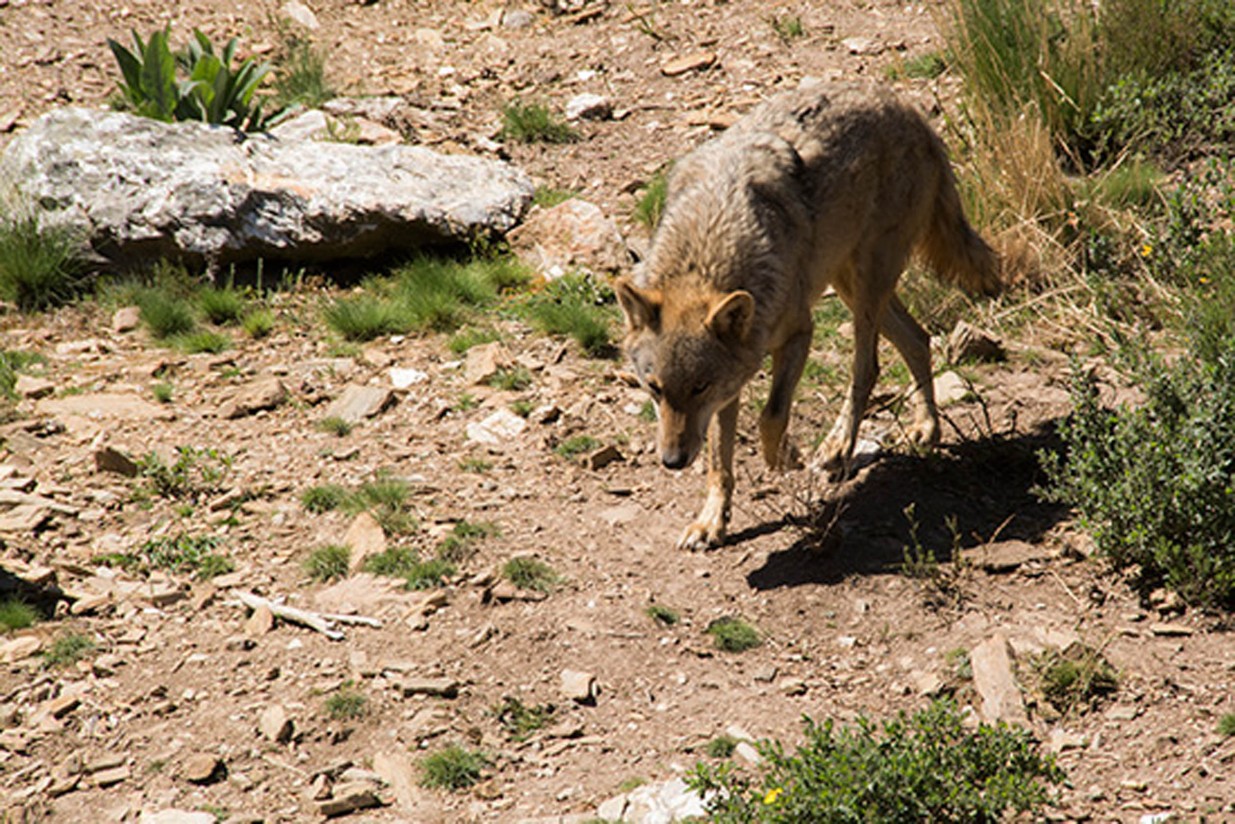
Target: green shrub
[(328, 563), (323, 498), (212, 90), (459, 545), (1179, 115), (68, 648), (194, 474), (385, 498), (40, 266), (453, 768), (1226, 725), (163, 392), (532, 574), (534, 123), (1155, 481), (186, 553), (929, 767), (731, 634), (16, 614)]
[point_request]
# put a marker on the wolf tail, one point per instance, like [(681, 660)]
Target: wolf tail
[(952, 248)]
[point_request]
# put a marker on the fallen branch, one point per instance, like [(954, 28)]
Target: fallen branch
[(325, 624)]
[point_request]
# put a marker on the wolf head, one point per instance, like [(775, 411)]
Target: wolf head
[(690, 350)]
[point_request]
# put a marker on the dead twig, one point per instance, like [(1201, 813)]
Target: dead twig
[(325, 624)]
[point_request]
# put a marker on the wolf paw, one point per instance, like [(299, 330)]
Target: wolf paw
[(700, 535), (831, 461)]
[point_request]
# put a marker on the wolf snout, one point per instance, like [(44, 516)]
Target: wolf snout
[(675, 458)]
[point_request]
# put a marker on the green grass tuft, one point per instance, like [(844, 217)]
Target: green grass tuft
[(662, 614), (576, 306), (722, 746), (531, 574), (258, 323), (731, 634), (165, 314), (453, 768), (535, 123), (346, 704), (328, 563), (335, 425), (221, 306), (68, 648), (16, 614), (40, 266), (518, 720), (572, 448), (323, 498)]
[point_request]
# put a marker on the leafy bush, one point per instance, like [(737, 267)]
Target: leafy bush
[(925, 768), (195, 472), (40, 266), (534, 123), (185, 553), (212, 90)]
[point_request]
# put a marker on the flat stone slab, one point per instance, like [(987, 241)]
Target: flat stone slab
[(140, 189)]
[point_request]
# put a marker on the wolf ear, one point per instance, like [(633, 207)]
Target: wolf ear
[(731, 318), (642, 307)]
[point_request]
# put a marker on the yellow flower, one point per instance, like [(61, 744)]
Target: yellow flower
[(772, 795), (1146, 250)]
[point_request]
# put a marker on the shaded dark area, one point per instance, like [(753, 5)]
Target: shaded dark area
[(41, 598), (964, 495)]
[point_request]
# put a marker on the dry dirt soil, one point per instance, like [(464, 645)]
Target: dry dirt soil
[(180, 676)]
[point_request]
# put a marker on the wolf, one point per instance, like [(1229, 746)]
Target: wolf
[(826, 186)]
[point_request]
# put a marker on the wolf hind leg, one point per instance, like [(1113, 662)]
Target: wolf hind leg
[(914, 345), (835, 454), (787, 364), (709, 528)]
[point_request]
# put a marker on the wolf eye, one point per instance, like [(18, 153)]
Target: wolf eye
[(699, 388), (654, 388)]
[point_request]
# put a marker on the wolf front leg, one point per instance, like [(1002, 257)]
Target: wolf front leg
[(787, 364), (835, 454), (709, 528)]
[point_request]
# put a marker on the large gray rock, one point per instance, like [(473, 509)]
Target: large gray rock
[(140, 188)]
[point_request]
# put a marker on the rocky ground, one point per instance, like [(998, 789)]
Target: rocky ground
[(192, 700)]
